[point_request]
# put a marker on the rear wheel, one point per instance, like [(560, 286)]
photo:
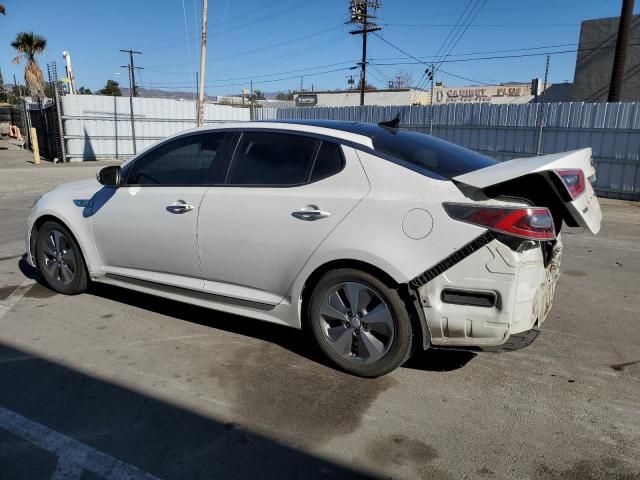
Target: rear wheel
[(361, 324), (60, 260)]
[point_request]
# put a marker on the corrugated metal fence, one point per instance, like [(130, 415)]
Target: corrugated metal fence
[(510, 131), (100, 126)]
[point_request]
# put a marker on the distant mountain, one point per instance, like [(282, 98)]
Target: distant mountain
[(158, 93)]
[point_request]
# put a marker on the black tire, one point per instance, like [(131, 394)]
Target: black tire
[(56, 268), (399, 347)]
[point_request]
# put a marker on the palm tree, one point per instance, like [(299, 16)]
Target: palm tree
[(29, 45)]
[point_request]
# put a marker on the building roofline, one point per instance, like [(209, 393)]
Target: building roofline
[(354, 90)]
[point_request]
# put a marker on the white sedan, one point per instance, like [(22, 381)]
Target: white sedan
[(377, 240)]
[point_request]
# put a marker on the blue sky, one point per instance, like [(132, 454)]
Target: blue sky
[(276, 41)]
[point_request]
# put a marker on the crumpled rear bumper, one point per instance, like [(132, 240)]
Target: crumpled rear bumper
[(523, 289)]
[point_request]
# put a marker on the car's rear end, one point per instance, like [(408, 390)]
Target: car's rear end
[(500, 282)]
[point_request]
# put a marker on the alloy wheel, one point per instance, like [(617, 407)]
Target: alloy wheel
[(59, 257), (357, 323)]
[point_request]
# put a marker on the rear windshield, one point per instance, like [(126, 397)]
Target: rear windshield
[(428, 155)]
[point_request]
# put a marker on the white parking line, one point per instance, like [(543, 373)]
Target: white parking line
[(74, 456), (9, 302)]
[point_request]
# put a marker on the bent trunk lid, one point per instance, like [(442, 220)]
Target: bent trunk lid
[(584, 210)]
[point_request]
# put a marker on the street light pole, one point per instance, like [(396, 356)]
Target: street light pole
[(203, 61)]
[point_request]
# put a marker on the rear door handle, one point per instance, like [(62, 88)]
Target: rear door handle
[(179, 206), (310, 213)]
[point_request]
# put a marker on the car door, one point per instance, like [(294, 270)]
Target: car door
[(283, 195), (146, 229)]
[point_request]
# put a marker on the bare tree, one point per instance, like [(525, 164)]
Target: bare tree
[(403, 79)]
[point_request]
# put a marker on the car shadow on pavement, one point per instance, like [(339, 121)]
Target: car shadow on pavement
[(439, 360), (296, 341), (48, 411)]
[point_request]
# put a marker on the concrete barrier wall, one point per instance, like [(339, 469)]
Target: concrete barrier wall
[(97, 127)]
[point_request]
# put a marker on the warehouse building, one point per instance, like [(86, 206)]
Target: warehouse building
[(595, 61), (348, 98), (507, 93)]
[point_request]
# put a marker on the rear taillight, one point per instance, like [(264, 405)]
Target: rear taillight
[(534, 223), (573, 180)]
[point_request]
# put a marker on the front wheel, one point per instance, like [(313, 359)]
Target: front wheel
[(360, 323), (60, 260)]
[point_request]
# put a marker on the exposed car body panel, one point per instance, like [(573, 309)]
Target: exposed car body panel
[(524, 289), (585, 209)]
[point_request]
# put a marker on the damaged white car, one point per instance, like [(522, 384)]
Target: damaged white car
[(378, 241)]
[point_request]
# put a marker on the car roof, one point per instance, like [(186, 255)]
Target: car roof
[(355, 132)]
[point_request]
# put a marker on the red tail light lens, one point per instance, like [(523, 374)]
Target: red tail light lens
[(535, 223), (573, 180)]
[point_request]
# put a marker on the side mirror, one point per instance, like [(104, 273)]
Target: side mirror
[(109, 176)]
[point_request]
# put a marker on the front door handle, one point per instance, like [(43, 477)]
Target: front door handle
[(179, 206), (310, 213)]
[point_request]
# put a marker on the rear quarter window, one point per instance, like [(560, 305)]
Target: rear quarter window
[(428, 155)]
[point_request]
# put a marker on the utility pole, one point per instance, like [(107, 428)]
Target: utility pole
[(132, 75), (195, 98), (203, 61), (132, 93), (431, 73), (251, 111), (541, 110), (362, 13), (620, 56)]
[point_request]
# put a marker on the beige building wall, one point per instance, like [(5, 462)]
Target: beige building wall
[(595, 61), (494, 94)]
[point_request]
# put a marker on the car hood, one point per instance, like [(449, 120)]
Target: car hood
[(89, 186)]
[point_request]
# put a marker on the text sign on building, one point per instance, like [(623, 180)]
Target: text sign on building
[(488, 94), (306, 100)]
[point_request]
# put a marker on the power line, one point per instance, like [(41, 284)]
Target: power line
[(186, 29), (464, 78), (299, 70), (420, 61), (499, 57), (461, 19), (426, 58), (264, 81), (429, 67), (461, 34), (481, 25), (280, 44), (455, 27)]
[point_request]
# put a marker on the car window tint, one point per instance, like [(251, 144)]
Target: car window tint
[(428, 155), (184, 161), (328, 162), (277, 159)]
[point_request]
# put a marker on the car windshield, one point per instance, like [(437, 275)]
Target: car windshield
[(428, 155)]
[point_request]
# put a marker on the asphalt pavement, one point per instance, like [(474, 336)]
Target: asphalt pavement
[(115, 384)]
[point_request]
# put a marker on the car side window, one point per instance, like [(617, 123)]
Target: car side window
[(272, 159), (185, 161), (328, 162)]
